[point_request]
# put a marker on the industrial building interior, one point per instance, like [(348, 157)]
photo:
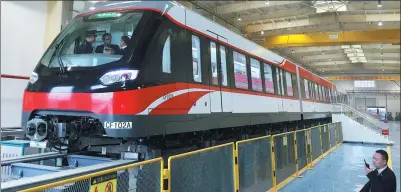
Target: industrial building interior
[(351, 45)]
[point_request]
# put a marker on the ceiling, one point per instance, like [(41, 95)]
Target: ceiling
[(261, 19)]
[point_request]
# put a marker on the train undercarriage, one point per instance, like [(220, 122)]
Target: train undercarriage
[(85, 135)]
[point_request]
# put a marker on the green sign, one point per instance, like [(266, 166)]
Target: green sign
[(105, 15)]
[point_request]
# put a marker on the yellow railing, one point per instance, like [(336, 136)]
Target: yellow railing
[(86, 178), (247, 165)]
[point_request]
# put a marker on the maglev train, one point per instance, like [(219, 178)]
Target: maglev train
[(142, 69)]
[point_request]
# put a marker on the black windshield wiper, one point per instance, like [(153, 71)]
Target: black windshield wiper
[(58, 47)]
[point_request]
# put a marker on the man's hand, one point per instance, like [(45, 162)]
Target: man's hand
[(368, 170)]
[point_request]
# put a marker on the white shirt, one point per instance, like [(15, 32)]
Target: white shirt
[(381, 170), (123, 47)]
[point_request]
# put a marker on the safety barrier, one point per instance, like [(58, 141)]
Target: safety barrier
[(210, 169), (259, 164), (254, 164), (316, 146), (139, 177)]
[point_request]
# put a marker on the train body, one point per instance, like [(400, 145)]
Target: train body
[(180, 72)]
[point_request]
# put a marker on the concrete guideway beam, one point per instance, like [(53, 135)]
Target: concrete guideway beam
[(324, 19), (391, 36)]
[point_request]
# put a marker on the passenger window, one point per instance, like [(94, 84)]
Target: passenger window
[(329, 95), (196, 59), (166, 62), (316, 92), (223, 60), (306, 84), (255, 75), (269, 85), (213, 57), (278, 71), (288, 79), (240, 71)]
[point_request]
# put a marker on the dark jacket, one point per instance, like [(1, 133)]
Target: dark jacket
[(385, 182), (99, 49), (85, 48)]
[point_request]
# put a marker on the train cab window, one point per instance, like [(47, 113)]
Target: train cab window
[(196, 59), (288, 79), (93, 40), (213, 62), (306, 85), (166, 60), (240, 71), (255, 75), (269, 84), (223, 61)]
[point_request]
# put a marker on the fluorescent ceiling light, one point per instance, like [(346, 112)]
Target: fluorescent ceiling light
[(345, 46)]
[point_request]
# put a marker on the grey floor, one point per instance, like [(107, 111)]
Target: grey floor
[(343, 169)]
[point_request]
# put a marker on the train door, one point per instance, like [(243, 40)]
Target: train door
[(220, 100)]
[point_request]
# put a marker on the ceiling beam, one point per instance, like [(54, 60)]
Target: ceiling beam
[(324, 19), (274, 15), (335, 38), (248, 5)]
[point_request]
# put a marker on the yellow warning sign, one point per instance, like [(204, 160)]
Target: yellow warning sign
[(104, 183)]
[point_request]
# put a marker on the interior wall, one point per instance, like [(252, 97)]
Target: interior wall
[(393, 102), (22, 45), (348, 85)]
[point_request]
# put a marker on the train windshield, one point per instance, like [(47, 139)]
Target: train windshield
[(93, 40)]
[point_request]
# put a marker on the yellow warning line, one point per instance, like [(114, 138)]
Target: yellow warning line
[(389, 164)]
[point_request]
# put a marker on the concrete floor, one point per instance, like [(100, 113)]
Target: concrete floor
[(343, 169)]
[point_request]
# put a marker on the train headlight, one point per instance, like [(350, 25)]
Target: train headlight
[(33, 78), (118, 76)]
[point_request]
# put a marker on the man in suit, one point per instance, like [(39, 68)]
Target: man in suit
[(123, 44), (107, 46), (87, 45), (382, 179)]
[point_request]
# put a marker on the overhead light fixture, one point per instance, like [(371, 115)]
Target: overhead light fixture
[(379, 3), (381, 46), (292, 51), (239, 18), (323, 52), (289, 21), (262, 32), (267, 2), (380, 23)]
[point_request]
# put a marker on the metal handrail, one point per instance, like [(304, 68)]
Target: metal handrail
[(363, 115)]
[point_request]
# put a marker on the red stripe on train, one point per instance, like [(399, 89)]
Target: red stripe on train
[(124, 102), (180, 104)]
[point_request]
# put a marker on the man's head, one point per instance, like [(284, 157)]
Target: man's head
[(91, 36), (380, 159), (124, 41), (106, 38)]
